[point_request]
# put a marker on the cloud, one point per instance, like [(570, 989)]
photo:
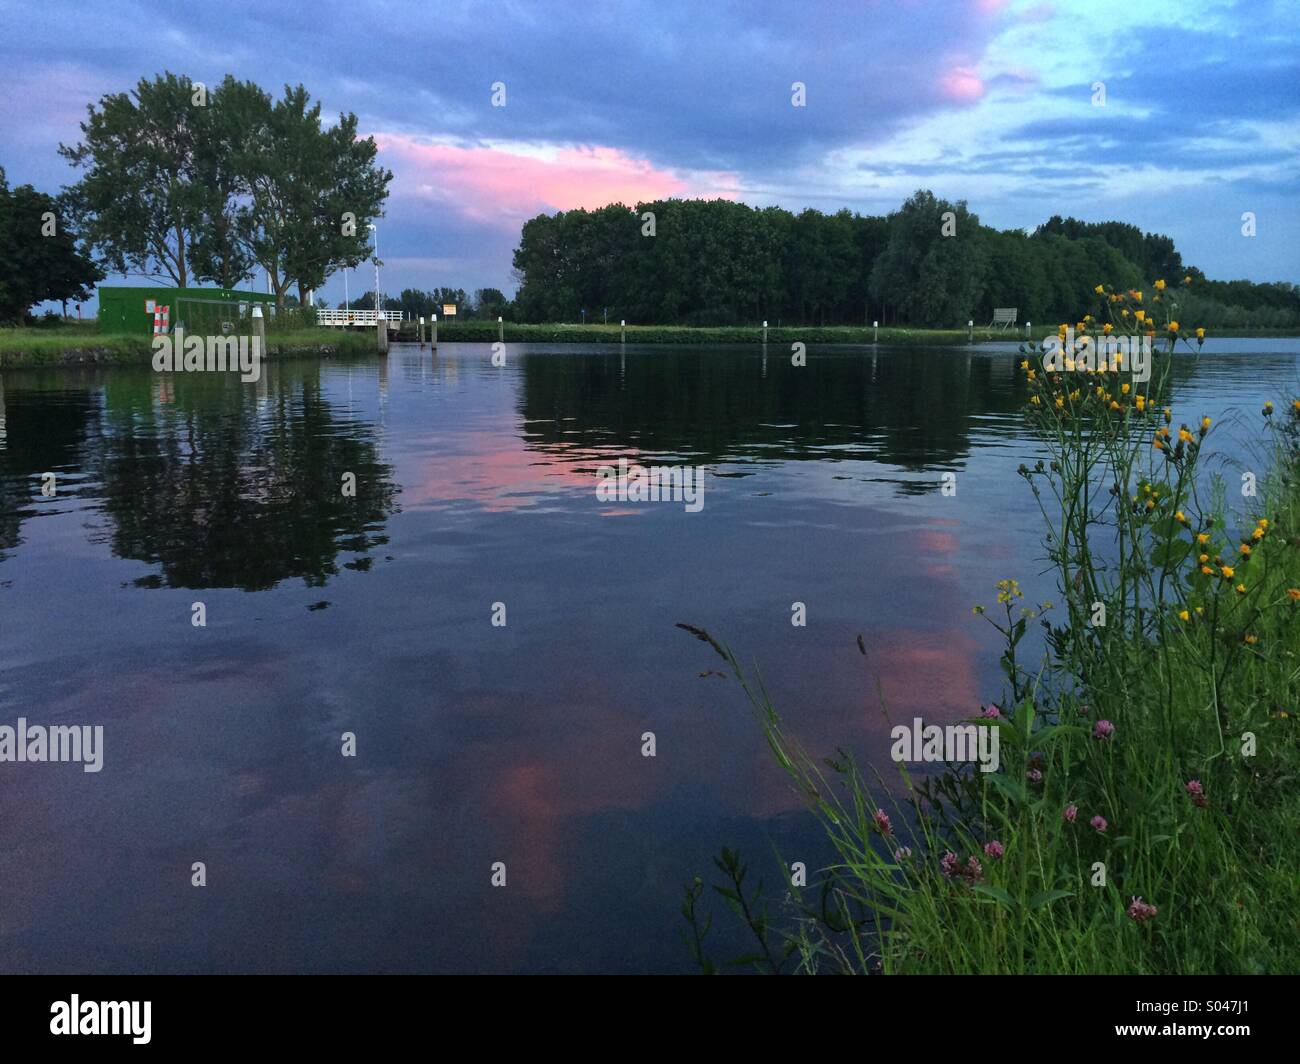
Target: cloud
[(503, 186)]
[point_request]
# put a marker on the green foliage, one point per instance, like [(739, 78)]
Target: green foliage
[(719, 263), (203, 186), (39, 258)]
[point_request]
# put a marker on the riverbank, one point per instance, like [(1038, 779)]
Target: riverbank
[(1141, 815), (85, 345), (75, 343)]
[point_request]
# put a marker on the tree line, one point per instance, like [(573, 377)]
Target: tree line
[(930, 263)]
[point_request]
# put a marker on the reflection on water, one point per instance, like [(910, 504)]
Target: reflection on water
[(474, 485)]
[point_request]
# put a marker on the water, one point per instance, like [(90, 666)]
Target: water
[(477, 744)]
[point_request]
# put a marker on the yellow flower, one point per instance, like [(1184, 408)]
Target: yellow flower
[(1228, 572), (1160, 285), (1031, 375), (1205, 424), (1024, 364), (1107, 328), (1183, 615), (1185, 436), (1173, 326), (1203, 537), (1060, 402), (1294, 592), (1245, 550), (1141, 315), (1203, 558), (977, 610), (1257, 534), (1114, 405), (1180, 517), (1200, 334), (1252, 640), (1263, 522), (1034, 399), (1187, 279), (1241, 589), (1099, 289)]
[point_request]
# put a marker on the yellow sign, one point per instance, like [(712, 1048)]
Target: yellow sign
[(449, 310)]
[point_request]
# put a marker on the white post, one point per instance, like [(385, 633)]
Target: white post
[(1027, 324), (433, 342), (875, 331), (421, 332), (501, 330), (970, 330), (259, 331), (622, 331), (764, 332)]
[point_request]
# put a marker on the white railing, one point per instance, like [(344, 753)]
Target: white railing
[(354, 317)]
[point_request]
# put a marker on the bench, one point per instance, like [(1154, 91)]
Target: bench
[(1004, 316)]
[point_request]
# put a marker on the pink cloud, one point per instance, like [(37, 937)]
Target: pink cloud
[(961, 85), (501, 187)]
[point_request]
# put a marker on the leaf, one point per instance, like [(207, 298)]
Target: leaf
[(996, 893), (1045, 897)]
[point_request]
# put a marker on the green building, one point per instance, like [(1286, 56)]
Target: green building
[(122, 310)]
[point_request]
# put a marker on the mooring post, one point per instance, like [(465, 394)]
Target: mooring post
[(421, 332), (875, 332), (381, 331), (259, 331), (765, 332), (433, 342), (501, 330), (622, 330), (970, 330), (1027, 324)]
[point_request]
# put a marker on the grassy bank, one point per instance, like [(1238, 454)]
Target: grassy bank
[(83, 343), (1145, 813)]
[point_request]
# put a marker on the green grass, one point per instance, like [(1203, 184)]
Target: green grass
[(83, 342), (1213, 698)]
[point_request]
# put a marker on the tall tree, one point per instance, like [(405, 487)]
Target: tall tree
[(142, 196), (312, 191)]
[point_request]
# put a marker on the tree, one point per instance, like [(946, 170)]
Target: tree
[(312, 191), (39, 257), (143, 196)]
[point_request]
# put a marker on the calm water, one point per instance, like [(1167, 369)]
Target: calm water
[(476, 743)]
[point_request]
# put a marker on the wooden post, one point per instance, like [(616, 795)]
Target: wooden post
[(875, 332), (765, 332), (421, 332), (1027, 324), (501, 330), (622, 331), (381, 331), (970, 330), (433, 342)]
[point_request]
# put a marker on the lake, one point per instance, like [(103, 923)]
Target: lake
[(478, 743)]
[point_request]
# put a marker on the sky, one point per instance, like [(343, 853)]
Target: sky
[(1178, 117)]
